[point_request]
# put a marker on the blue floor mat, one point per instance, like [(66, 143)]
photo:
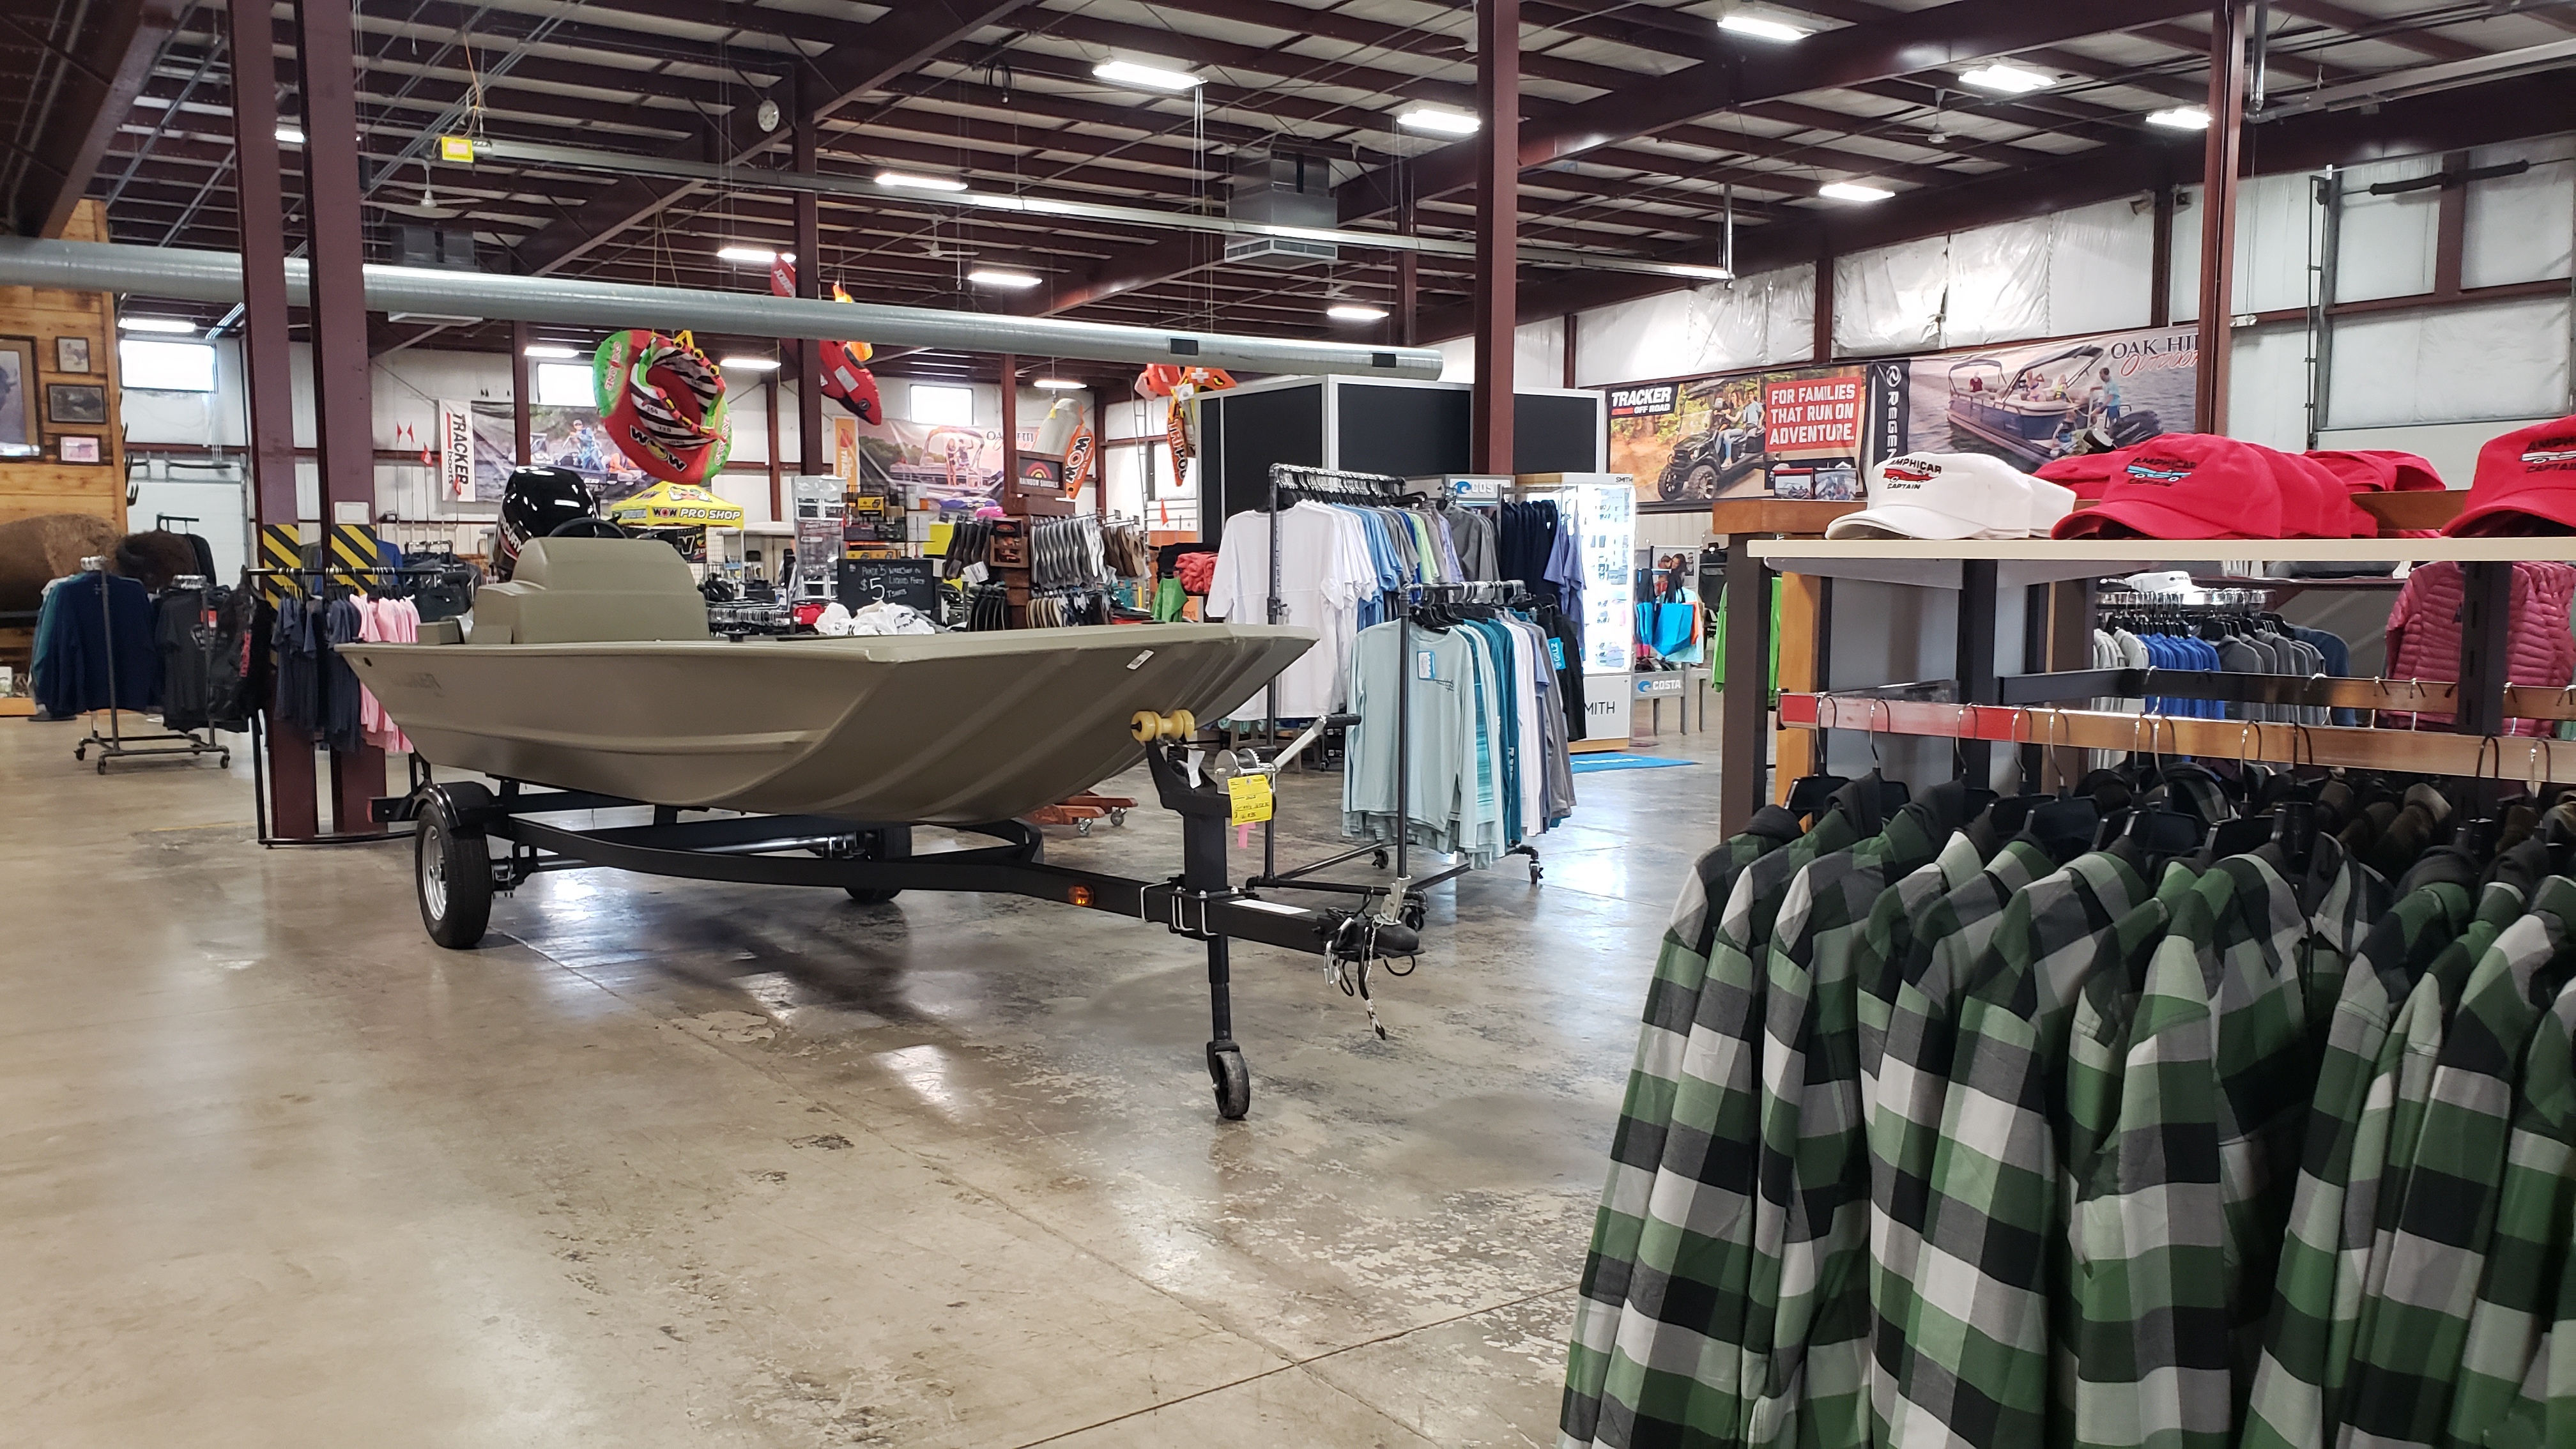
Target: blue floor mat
[(1586, 764)]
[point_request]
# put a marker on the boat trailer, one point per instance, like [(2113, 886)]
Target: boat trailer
[(456, 873)]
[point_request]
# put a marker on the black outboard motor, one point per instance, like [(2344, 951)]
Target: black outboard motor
[(534, 504)]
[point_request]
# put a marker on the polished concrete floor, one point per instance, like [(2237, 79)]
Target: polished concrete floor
[(666, 1162)]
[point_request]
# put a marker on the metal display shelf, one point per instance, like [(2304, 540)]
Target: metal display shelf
[(1980, 708), (1938, 564)]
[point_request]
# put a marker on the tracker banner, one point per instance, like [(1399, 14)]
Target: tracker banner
[(1813, 432)]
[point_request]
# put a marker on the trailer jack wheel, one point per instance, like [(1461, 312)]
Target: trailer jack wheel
[(1232, 1080)]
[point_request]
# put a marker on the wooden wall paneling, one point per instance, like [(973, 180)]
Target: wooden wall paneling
[(33, 486)]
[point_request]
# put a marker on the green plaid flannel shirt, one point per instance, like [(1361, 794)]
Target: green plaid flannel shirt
[(2310, 1326), (1637, 1145), (2097, 1046), (2392, 1120), (1673, 1361), (1888, 935), (2410, 1354), (1904, 1116), (2502, 1374), (2213, 1099), (1975, 1360), (1806, 1330)]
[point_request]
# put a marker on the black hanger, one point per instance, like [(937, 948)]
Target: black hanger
[(1809, 793), (2062, 828), (2294, 830)]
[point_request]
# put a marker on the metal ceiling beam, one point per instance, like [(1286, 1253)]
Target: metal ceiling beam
[(100, 68), (2486, 115), (890, 46), (1943, 36)]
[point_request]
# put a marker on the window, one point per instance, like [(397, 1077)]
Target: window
[(933, 405), (166, 366), (565, 385)]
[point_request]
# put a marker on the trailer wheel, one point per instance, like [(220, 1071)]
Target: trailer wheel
[(453, 873), (1233, 1081)]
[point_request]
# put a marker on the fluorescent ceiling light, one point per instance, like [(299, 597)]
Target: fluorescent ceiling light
[(1352, 312), (2181, 118), (1853, 191), (1760, 29), (749, 256), (155, 324), (749, 364), (1128, 73), (1438, 121), (1008, 281), (2009, 80), (549, 349), (1059, 384), (920, 183), (290, 133), (1693, 269)]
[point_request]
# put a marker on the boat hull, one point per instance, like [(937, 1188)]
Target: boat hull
[(931, 729)]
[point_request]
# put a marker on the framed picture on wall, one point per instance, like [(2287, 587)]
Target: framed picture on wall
[(76, 403), (19, 435), (71, 354), (79, 448)]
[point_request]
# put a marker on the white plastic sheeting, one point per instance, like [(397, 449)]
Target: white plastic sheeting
[(2275, 227), (2267, 393), (1890, 299), (2385, 243), (2461, 364), (2059, 275), (1762, 320), (1538, 355), (2519, 227)]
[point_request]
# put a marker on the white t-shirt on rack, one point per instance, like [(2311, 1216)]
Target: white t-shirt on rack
[(1324, 572)]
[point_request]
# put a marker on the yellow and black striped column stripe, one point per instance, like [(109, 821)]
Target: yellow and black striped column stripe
[(281, 546), (353, 546)]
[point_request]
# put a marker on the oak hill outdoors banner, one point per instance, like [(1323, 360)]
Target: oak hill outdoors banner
[(1813, 432)]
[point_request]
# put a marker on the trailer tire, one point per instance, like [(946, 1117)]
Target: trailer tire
[(1231, 1079), (893, 842), (452, 873)]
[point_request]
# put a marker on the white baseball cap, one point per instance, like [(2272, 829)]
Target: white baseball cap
[(1953, 496)]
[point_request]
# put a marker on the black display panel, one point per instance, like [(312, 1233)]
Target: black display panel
[(1556, 434), (1243, 434), (1409, 432)]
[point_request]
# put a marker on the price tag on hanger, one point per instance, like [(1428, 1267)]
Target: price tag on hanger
[(1248, 798)]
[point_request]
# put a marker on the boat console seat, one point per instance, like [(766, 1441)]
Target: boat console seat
[(592, 591)]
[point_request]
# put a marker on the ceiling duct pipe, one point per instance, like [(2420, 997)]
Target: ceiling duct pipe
[(204, 276)]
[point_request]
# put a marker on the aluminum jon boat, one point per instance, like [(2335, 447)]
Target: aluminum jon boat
[(594, 670)]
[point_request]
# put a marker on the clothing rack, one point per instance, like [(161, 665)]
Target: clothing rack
[(302, 579), (1980, 708), (116, 744), (1368, 490)]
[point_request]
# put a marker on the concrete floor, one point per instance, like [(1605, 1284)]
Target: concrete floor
[(676, 1163)]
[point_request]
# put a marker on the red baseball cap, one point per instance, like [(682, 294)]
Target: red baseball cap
[(2525, 484), (2314, 501), (2087, 473), (2378, 470), (2191, 485)]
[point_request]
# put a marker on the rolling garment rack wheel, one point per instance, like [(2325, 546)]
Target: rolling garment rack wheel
[(452, 870), (1233, 1081)]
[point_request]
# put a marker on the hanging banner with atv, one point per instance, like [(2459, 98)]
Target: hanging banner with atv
[(1813, 432)]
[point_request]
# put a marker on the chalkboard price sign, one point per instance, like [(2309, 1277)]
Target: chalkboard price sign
[(911, 581)]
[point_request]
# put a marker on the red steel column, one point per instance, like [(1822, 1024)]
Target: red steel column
[(1498, 179), (268, 361), (812, 457), (344, 429), (522, 433), (1407, 265), (2219, 162)]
